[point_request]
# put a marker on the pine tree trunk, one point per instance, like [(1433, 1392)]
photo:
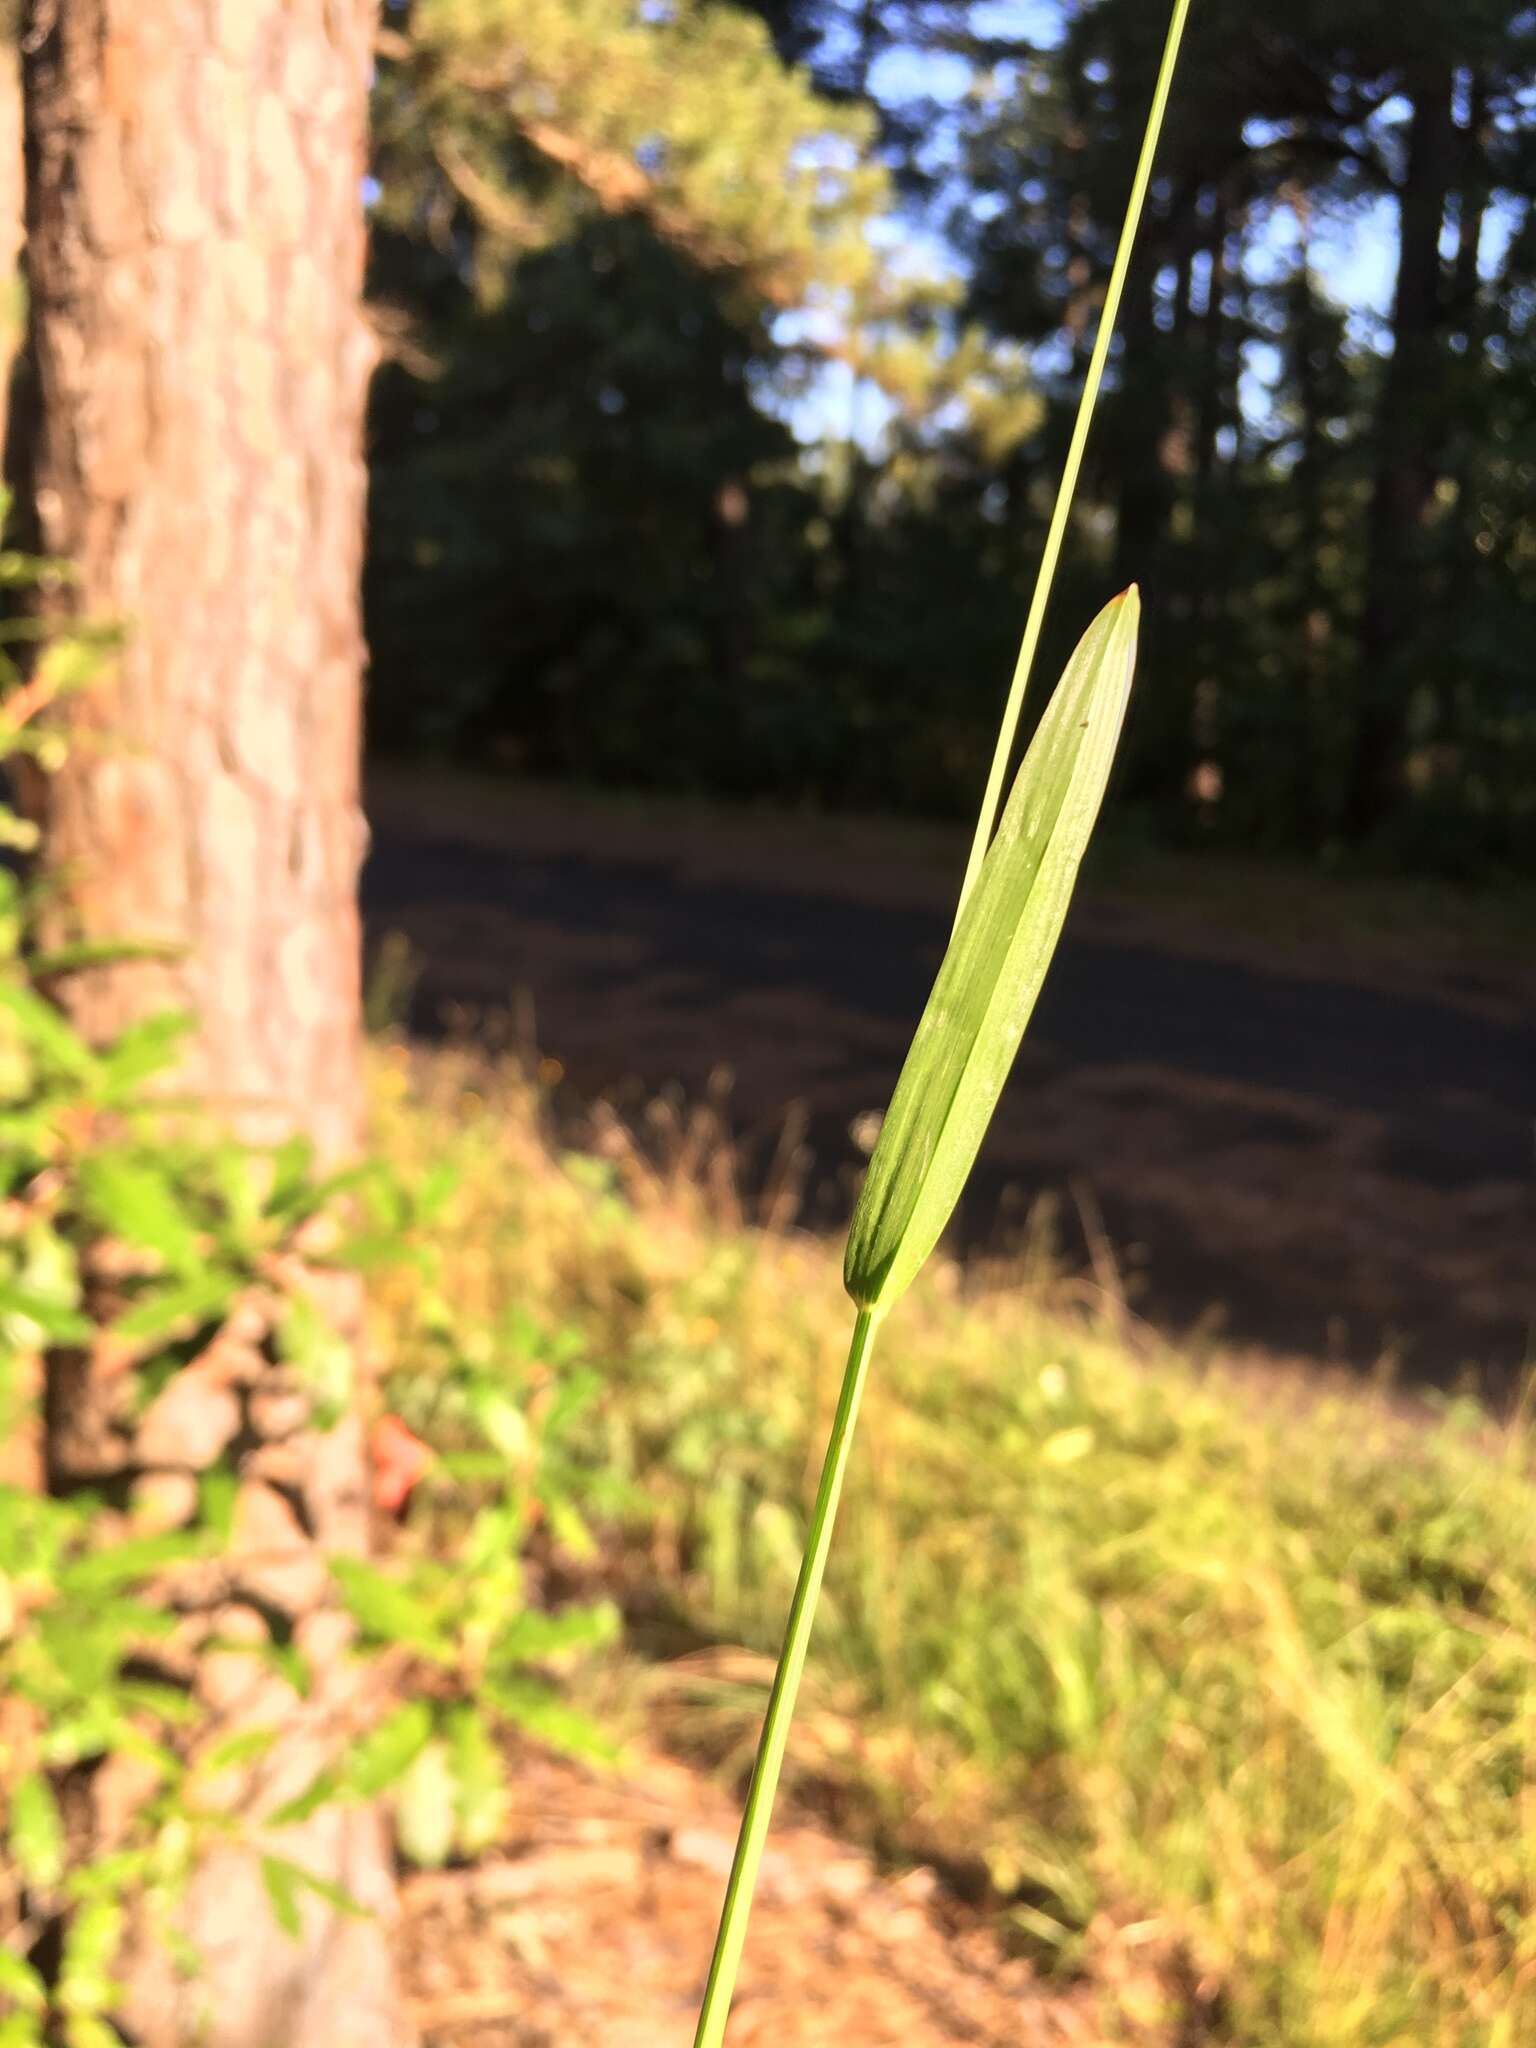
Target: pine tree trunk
[(1309, 480), (196, 257), (12, 213), (21, 1451), (1463, 571), (1215, 394), (1145, 488), (196, 242), (1474, 195), (1406, 468)]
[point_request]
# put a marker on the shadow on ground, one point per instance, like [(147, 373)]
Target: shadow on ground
[(1291, 1158)]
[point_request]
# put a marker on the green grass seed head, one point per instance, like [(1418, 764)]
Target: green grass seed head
[(992, 973), (1013, 901), (960, 1058)]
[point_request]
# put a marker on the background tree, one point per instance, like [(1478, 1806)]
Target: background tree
[(1297, 586), (613, 251), (912, 294)]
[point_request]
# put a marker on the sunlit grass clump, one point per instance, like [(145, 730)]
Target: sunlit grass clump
[(1231, 1701)]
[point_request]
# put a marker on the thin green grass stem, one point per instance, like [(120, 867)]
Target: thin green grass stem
[(1067, 488), (781, 1701)]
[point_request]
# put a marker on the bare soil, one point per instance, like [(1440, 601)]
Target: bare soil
[(593, 1930)]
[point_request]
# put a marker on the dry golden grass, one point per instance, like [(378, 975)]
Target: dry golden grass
[(1119, 1644)]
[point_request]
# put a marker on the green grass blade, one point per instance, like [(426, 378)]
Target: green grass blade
[(781, 1701), (1013, 902), (1067, 487), (993, 970)]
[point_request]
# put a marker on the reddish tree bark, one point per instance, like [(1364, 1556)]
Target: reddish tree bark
[(21, 1461), (12, 211), (196, 244), (196, 262)]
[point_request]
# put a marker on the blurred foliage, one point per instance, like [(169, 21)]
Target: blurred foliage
[(133, 1238), (483, 106), (732, 352), (1221, 1694)]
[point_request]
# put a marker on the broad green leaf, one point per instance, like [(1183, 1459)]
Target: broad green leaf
[(575, 1392), (27, 1317), (150, 1046), (109, 1877), (320, 1791), (36, 1832), (374, 1251), (90, 1948), (47, 1032), (168, 1310), (386, 1753), (90, 2030), (319, 1355), (282, 1882), (137, 1202), (292, 1177), (285, 1882), (21, 1983), (239, 1176), (480, 1780), (85, 953), (217, 1494), (71, 1738), (242, 1748), (437, 1185), (425, 1812), (104, 1571), (542, 1713), (45, 1292), (385, 1610), (335, 1895), (493, 1546), (569, 1530), (992, 973), (167, 1702), (531, 1637), (500, 1421)]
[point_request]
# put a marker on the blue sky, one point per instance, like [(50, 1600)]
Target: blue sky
[(1354, 253)]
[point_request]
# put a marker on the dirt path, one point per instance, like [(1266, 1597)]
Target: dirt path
[(593, 1930), (1330, 1157)]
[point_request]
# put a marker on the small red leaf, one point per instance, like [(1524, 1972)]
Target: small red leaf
[(399, 1461)]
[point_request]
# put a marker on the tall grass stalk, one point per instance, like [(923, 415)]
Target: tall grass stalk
[(1066, 490), (1012, 906), (786, 1687)]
